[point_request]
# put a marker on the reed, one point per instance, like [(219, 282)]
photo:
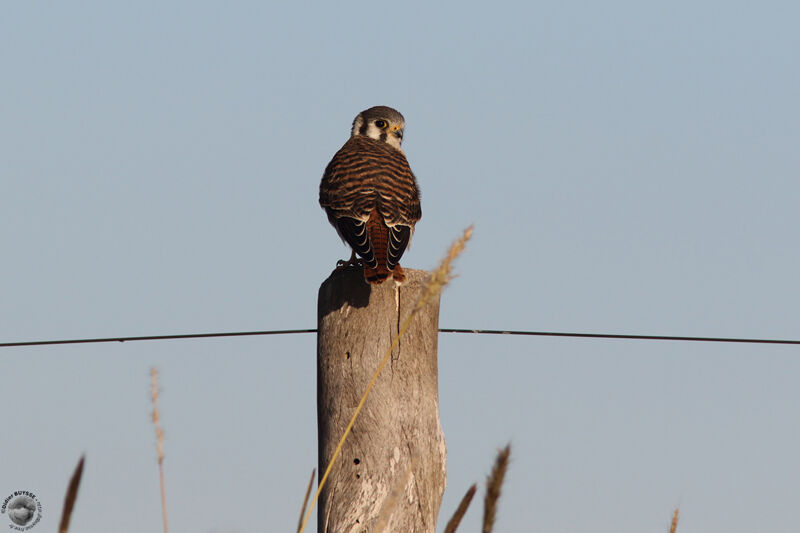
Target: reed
[(452, 525), (673, 526), (305, 499), (71, 496), (493, 484), (156, 417)]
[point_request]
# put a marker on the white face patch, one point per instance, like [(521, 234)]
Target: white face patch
[(357, 123), (391, 138), (374, 132)]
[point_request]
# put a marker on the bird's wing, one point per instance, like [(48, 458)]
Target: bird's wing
[(399, 238), (354, 232)]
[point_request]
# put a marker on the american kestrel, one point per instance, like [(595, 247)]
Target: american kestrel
[(370, 194)]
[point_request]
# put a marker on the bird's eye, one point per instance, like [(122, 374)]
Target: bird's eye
[(381, 123)]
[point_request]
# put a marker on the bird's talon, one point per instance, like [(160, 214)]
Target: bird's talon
[(341, 264)]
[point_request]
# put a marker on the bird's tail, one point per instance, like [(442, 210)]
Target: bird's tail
[(379, 239), (376, 275), (379, 275)]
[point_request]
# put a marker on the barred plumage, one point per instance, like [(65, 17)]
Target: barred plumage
[(370, 194)]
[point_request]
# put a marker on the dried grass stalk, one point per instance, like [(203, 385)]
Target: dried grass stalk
[(444, 272), (305, 500), (159, 443), (71, 496), (493, 484), (673, 526), (452, 525)]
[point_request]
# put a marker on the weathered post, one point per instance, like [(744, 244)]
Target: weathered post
[(396, 445)]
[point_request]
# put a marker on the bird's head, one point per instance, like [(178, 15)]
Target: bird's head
[(382, 124)]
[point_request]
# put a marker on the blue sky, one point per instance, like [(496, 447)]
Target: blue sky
[(629, 167)]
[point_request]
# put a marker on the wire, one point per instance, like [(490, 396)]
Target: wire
[(620, 336), (442, 330), (158, 337)]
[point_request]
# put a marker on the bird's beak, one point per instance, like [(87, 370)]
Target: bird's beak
[(398, 132)]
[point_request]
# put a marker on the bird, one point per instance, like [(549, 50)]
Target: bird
[(371, 195)]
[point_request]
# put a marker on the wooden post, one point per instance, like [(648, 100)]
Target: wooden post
[(394, 457)]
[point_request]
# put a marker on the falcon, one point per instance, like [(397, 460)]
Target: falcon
[(371, 196)]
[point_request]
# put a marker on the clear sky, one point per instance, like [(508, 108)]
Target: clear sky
[(630, 167)]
